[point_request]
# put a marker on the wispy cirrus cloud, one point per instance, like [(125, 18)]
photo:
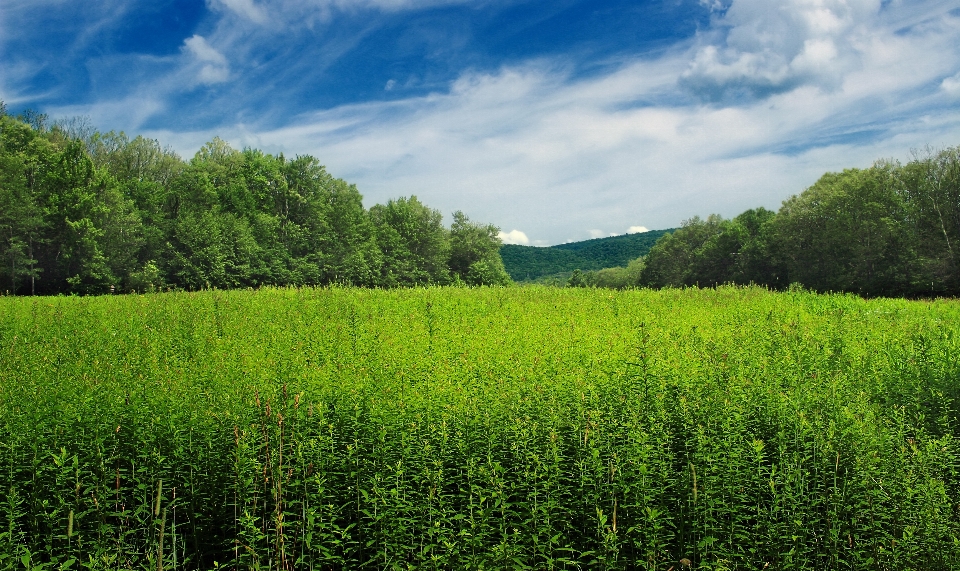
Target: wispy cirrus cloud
[(311, 12), (245, 8)]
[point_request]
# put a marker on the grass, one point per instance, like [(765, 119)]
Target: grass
[(454, 428)]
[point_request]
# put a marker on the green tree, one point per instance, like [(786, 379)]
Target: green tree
[(475, 252), (930, 187), (754, 261), (414, 244), (20, 225), (578, 279), (671, 261), (90, 211), (330, 234), (847, 233), (619, 277)]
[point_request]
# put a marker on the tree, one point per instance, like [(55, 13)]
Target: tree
[(414, 244), (847, 233), (475, 252), (754, 262), (22, 221), (577, 279), (671, 261), (930, 187), (21, 224), (328, 232)]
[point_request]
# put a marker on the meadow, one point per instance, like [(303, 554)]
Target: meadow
[(485, 428)]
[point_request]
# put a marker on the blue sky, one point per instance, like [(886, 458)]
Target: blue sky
[(557, 121)]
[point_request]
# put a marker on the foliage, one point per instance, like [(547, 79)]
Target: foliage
[(475, 252), (712, 252), (451, 428), (530, 263), (617, 278), (88, 212), (890, 230), (846, 233), (414, 243)]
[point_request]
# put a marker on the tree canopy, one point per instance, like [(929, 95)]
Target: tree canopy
[(888, 230), (88, 212)]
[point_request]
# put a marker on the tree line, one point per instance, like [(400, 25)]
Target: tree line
[(87, 212), (889, 230)]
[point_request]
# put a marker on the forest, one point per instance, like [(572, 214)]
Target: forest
[(547, 264), (85, 212), (889, 230)]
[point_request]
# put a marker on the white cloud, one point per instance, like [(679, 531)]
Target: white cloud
[(596, 233), (132, 110), (203, 51), (637, 229), (282, 13), (210, 74), (247, 9), (528, 147), (213, 66), (771, 47), (514, 237), (951, 85), (712, 5)]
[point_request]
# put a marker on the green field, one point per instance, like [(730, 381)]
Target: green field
[(455, 428)]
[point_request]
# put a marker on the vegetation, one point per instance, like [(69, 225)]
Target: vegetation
[(488, 428), (529, 263), (88, 212), (890, 230)]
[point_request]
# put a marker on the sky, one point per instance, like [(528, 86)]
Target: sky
[(557, 120)]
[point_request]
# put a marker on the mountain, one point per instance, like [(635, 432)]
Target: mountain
[(529, 263)]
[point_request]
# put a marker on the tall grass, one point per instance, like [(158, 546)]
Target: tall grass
[(479, 429)]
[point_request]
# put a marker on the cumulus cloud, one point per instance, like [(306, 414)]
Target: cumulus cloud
[(637, 229), (213, 66), (771, 47), (514, 237)]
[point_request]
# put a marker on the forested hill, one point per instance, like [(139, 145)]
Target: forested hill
[(89, 212), (529, 262)]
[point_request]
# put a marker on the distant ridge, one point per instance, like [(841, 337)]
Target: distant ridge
[(530, 263)]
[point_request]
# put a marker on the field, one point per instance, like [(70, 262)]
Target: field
[(455, 428)]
